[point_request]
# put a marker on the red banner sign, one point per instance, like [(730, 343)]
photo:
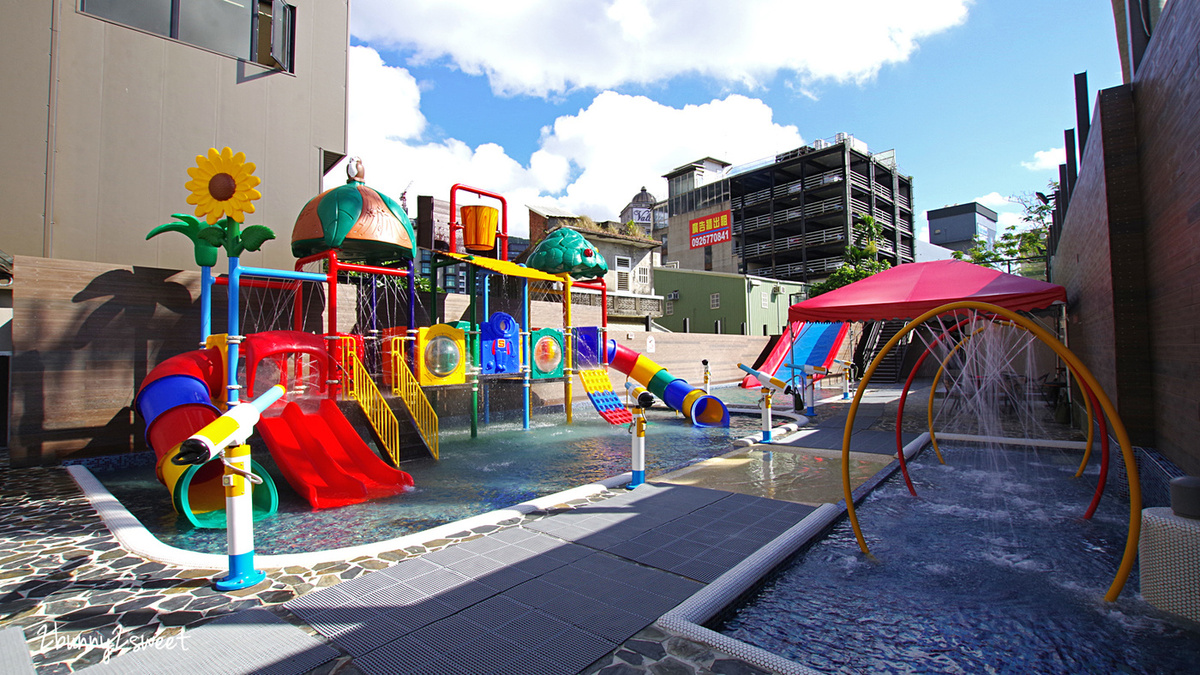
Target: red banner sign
[(709, 230)]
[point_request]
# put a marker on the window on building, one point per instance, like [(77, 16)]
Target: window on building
[(669, 308), (643, 275), (714, 301), (622, 281), (624, 262), (261, 31), (766, 299), (275, 35), (663, 241)]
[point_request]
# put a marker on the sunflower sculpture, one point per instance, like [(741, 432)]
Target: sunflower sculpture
[(223, 185), (222, 189)]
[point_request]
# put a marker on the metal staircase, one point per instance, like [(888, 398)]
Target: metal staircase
[(877, 335), (406, 387), (418, 427)]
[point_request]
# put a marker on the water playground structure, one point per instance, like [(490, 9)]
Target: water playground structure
[(401, 352)]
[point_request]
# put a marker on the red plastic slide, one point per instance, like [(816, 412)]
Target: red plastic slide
[(325, 460)]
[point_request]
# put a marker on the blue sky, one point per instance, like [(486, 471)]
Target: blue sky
[(579, 103)]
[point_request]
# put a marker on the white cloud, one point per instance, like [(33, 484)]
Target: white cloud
[(1007, 219), (621, 143), (591, 162), (994, 200), (542, 47), (1044, 160)]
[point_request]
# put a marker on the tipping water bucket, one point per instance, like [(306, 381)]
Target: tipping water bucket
[(479, 227)]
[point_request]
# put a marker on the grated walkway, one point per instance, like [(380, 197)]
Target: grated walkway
[(552, 597)]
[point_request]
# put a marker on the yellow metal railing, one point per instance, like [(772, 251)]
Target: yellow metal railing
[(358, 385), (405, 385)]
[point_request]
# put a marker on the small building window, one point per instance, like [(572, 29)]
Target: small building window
[(622, 281), (714, 301), (275, 35), (766, 299), (669, 308), (624, 262), (262, 31), (643, 275)]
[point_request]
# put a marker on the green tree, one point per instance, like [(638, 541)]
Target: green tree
[(859, 261), (423, 284), (1021, 250)]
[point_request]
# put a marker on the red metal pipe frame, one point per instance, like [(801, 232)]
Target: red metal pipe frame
[(1103, 450), (454, 225), (336, 266), (1104, 447)]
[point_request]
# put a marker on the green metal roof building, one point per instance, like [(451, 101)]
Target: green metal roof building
[(718, 302)]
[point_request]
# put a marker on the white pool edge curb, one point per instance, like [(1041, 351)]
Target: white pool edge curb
[(135, 538), (686, 618)]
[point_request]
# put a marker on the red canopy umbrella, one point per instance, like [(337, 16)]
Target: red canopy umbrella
[(907, 291)]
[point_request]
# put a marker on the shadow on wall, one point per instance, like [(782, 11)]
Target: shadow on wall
[(83, 344)]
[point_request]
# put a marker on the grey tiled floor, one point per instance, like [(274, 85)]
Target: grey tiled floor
[(552, 597)]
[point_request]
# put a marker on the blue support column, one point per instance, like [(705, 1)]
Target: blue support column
[(528, 351), (206, 284), (234, 340)]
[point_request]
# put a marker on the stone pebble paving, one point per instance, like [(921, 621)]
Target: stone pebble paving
[(81, 598)]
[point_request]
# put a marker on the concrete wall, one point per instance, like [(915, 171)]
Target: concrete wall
[(102, 122), (679, 242), (1131, 243), (85, 335), (1167, 96)]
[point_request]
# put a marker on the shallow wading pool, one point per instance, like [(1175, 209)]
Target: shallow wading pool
[(505, 465), (990, 569)]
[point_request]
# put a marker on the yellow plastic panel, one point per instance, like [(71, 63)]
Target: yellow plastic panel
[(441, 355)]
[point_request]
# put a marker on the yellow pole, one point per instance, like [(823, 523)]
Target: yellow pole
[(1081, 371)]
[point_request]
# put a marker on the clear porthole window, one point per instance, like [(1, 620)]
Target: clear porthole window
[(442, 356)]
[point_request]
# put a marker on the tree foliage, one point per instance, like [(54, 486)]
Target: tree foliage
[(859, 261), (1017, 243)]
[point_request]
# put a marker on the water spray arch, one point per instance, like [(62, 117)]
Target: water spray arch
[(1083, 375), (1089, 400)]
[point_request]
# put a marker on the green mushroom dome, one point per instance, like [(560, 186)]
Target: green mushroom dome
[(359, 221)]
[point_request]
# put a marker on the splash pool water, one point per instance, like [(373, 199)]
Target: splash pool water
[(990, 570), (505, 465)]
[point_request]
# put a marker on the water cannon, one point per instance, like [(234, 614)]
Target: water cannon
[(231, 429), (766, 380), (815, 370), (639, 394)]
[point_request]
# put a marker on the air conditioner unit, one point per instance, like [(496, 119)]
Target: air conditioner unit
[(673, 295)]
